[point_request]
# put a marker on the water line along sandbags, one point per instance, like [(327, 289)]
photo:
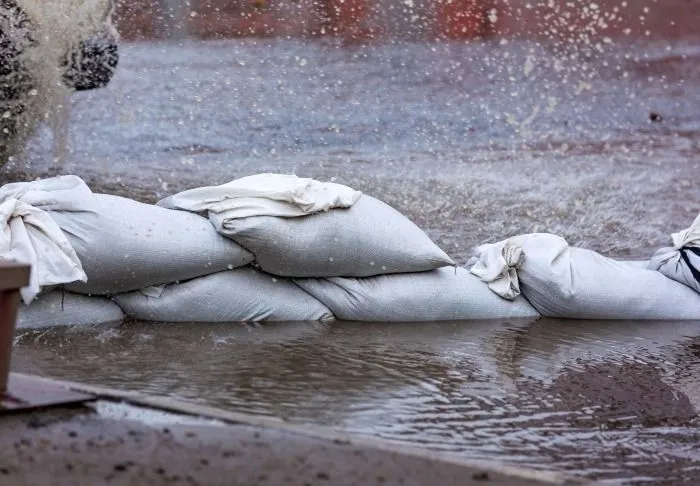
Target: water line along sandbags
[(240, 295), (124, 245), (568, 282), (437, 295), (681, 262), (58, 308), (292, 234)]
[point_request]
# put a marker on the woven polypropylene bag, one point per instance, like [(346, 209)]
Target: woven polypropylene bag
[(241, 295), (569, 282), (125, 245), (438, 295), (59, 308), (370, 238)]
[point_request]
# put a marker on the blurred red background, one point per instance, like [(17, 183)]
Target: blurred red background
[(362, 20)]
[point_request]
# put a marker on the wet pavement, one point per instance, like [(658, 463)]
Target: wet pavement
[(474, 142), (111, 443)]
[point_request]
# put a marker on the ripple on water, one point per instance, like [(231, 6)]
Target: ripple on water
[(603, 399)]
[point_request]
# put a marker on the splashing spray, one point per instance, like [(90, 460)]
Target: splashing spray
[(40, 42)]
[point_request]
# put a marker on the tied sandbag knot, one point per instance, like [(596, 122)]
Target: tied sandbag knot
[(497, 264), (681, 262), (686, 256), (278, 195), (28, 234)]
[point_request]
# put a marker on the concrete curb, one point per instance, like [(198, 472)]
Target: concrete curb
[(316, 432)]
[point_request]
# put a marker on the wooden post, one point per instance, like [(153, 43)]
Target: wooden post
[(12, 278)]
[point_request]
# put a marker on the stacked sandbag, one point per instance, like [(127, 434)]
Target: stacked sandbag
[(568, 282), (60, 308), (244, 294), (123, 245), (437, 295), (349, 254), (299, 227), (356, 255), (681, 262)]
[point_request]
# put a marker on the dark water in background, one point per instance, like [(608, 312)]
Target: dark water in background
[(474, 143), (605, 399)]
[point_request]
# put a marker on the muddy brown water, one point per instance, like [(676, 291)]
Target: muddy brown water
[(475, 143)]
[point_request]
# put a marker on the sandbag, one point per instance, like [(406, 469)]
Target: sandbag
[(437, 295), (369, 238), (240, 295), (283, 195), (568, 282), (125, 245), (681, 262), (58, 308), (30, 236)]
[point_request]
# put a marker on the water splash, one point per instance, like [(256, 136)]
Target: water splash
[(37, 41)]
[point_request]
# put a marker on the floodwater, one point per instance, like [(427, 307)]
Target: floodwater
[(474, 142), (610, 400)]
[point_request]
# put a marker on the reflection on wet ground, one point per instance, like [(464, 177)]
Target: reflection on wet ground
[(611, 400)]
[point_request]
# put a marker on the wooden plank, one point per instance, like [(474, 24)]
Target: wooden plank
[(9, 299), (25, 392), (13, 276)]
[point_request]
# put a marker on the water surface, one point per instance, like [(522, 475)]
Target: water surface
[(610, 400), (474, 142)]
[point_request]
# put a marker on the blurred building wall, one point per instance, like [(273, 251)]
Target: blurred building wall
[(360, 20)]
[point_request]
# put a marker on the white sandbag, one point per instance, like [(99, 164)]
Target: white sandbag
[(370, 238), (125, 245), (264, 195), (437, 295), (681, 262), (636, 263), (304, 228), (57, 308), (241, 295), (567, 282), (29, 235)]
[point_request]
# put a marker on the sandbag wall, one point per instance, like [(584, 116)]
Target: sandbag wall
[(305, 251), (354, 259), (281, 248)]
